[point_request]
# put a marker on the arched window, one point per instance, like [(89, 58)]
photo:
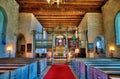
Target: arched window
[(117, 28), (3, 22)]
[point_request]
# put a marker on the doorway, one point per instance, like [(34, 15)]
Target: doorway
[(21, 47)]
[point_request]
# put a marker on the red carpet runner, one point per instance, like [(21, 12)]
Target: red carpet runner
[(59, 71)]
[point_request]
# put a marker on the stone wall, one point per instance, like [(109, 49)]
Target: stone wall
[(11, 9), (110, 10), (93, 23), (28, 23), (95, 26), (82, 27)]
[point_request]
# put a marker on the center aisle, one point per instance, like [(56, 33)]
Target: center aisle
[(59, 71)]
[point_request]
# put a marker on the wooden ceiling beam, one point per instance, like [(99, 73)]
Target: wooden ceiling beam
[(53, 26), (79, 11), (93, 2), (43, 22), (63, 0), (58, 24), (60, 7), (59, 17), (64, 19), (52, 13)]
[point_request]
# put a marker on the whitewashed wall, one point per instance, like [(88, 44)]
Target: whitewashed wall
[(11, 9), (27, 24)]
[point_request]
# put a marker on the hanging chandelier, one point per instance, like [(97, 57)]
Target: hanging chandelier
[(54, 2)]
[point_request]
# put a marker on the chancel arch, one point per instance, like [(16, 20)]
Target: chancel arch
[(3, 24)]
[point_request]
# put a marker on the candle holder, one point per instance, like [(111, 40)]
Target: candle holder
[(111, 53), (9, 50), (112, 49)]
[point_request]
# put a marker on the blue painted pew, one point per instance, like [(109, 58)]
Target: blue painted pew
[(80, 65), (105, 73)]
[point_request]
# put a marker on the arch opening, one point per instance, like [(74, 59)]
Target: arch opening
[(21, 47), (99, 45)]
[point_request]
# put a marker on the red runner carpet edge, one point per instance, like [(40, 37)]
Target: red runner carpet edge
[(59, 71)]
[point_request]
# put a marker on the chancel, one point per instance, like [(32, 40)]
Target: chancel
[(59, 39)]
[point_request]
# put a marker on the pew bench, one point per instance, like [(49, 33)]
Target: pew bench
[(105, 73), (4, 74), (35, 66), (90, 69), (80, 65), (14, 72)]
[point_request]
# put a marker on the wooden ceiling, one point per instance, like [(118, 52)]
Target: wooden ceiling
[(68, 14)]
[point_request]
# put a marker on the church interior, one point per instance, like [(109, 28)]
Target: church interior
[(59, 39)]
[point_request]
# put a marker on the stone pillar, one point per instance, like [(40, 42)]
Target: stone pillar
[(67, 45), (86, 35), (67, 39), (52, 48), (33, 43)]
